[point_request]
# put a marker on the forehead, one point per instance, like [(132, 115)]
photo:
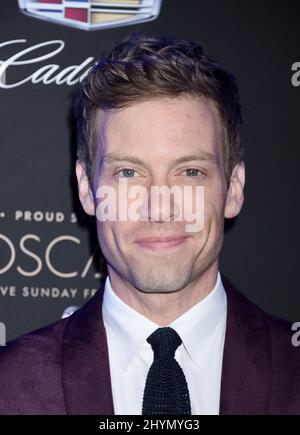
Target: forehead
[(161, 128)]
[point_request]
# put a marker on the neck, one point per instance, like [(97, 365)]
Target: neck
[(164, 308)]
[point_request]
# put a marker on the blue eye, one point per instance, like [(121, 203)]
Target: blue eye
[(126, 173), (192, 172)]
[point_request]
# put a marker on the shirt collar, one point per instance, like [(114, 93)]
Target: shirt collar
[(129, 329), (201, 324)]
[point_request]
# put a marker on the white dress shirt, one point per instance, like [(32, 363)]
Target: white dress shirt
[(202, 331)]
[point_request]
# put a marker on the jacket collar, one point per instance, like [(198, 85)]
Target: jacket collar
[(246, 362), (246, 373), (85, 362)]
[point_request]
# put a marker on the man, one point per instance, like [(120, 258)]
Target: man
[(167, 334)]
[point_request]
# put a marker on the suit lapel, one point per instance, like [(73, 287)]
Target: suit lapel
[(246, 374), (85, 362)]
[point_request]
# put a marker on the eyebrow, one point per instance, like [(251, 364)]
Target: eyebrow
[(203, 156)]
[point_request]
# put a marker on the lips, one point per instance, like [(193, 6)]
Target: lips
[(161, 242)]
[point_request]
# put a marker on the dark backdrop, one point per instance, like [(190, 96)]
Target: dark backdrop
[(47, 266)]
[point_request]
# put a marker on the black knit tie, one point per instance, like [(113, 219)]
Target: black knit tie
[(166, 390)]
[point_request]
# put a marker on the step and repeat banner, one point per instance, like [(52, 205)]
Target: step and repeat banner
[(50, 263)]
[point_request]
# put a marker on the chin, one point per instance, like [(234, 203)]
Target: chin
[(160, 280)]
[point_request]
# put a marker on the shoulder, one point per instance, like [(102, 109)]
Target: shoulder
[(32, 366), (253, 317), (43, 341), (266, 334), (30, 372)]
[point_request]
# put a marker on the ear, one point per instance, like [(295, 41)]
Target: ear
[(84, 190), (235, 194)]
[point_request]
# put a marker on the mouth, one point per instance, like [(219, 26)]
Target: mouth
[(162, 243)]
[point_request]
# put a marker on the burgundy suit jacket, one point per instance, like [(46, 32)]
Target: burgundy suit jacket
[(63, 368)]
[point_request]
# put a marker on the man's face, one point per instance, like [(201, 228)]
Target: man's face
[(162, 142)]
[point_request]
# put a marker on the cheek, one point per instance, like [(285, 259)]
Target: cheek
[(106, 235), (214, 206), (115, 235)]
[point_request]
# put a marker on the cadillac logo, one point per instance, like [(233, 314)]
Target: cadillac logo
[(92, 14)]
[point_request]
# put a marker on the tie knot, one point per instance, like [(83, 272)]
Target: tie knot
[(164, 342)]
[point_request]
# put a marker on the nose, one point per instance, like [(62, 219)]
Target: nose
[(161, 203)]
